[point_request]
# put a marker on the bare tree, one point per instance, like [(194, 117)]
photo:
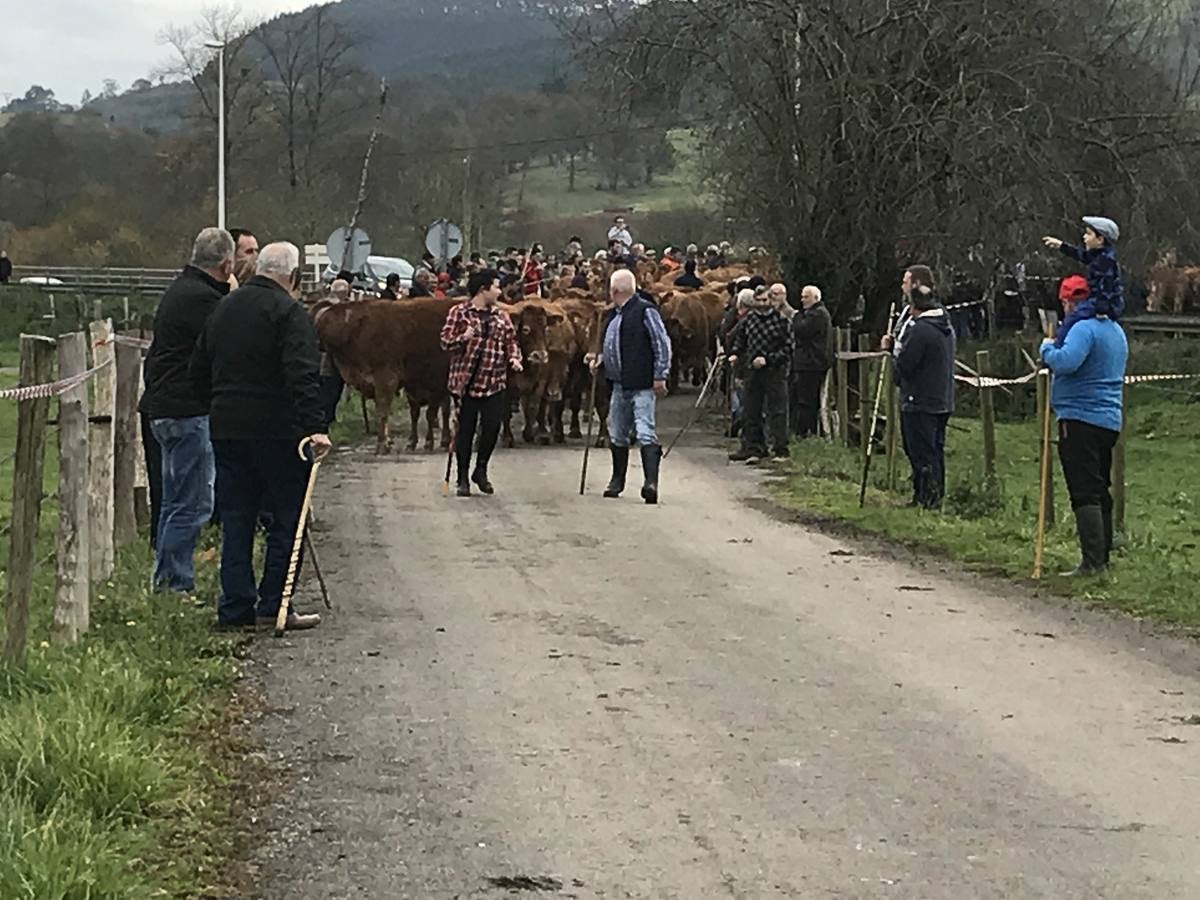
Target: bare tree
[(246, 100), (308, 57), (860, 135)]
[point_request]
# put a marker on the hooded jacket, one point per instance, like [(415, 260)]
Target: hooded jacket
[(924, 364)]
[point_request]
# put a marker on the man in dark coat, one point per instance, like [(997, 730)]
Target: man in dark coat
[(923, 364), (257, 364), (391, 289), (689, 278), (812, 330), (177, 414), (762, 342), (5, 267)]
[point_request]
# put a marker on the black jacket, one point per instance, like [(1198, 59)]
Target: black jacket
[(5, 269), (763, 332), (924, 364), (258, 362), (689, 280), (812, 329), (182, 314)]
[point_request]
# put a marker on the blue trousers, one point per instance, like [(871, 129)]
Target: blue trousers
[(631, 412), (187, 498), (254, 476)]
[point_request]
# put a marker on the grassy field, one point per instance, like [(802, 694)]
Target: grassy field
[(1156, 572), (547, 197), (112, 753)]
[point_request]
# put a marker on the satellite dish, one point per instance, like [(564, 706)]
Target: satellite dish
[(444, 240), (348, 249)]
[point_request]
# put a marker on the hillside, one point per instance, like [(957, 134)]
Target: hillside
[(457, 49)]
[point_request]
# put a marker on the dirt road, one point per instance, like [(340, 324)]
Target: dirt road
[(543, 695)]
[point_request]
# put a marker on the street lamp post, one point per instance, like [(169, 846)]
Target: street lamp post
[(219, 46)]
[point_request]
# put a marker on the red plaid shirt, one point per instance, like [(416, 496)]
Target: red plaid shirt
[(479, 365)]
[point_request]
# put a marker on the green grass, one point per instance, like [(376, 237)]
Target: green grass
[(114, 753), (547, 197), (1156, 571)]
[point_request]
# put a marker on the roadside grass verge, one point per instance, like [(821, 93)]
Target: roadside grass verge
[(115, 755), (990, 527)]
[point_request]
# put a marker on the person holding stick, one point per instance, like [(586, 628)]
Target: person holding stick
[(636, 356), (482, 344), (923, 365), (257, 366), (1087, 360)]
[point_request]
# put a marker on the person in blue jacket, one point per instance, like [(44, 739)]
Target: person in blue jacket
[(1087, 360)]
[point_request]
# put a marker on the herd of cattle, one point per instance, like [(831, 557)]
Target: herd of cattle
[(382, 347)]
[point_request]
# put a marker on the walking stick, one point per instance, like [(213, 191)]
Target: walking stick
[(1039, 545), (695, 410), (289, 583), (311, 549), (587, 447), (450, 451), (883, 362)]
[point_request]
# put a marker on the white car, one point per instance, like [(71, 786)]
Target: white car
[(43, 280), (375, 273)]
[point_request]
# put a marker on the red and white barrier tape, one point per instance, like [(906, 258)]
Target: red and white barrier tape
[(51, 389), (987, 381)]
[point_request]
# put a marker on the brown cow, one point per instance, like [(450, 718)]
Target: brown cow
[(691, 335), (548, 344), (1173, 289), (586, 315), (380, 347)]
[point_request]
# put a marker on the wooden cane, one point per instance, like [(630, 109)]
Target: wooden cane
[(311, 549), (289, 583), (883, 363), (1039, 545), (587, 447), (450, 451), (708, 382)]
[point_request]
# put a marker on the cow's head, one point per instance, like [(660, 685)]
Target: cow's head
[(533, 322)]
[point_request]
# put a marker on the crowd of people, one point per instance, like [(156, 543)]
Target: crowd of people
[(235, 380)]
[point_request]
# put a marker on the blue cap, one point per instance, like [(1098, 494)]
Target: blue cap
[(1106, 228)]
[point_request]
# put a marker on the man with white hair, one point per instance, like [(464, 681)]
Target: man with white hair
[(636, 355), (812, 329), (178, 415), (257, 363)]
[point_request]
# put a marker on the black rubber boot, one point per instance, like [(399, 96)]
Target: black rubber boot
[(464, 487), (620, 465), (1089, 523), (481, 480), (651, 457)]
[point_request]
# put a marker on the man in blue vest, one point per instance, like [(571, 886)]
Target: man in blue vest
[(636, 355)]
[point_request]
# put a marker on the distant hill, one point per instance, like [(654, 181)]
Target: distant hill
[(462, 48)]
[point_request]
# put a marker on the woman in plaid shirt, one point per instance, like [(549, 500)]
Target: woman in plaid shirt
[(482, 344)]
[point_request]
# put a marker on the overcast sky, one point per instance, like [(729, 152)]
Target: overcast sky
[(70, 45)]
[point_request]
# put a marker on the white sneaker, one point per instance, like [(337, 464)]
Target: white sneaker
[(295, 621)]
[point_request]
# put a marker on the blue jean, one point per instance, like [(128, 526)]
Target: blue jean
[(631, 412), (253, 476), (187, 498)]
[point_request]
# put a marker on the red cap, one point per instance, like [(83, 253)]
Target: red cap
[(1073, 287)]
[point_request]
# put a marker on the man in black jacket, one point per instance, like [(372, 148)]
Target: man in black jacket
[(923, 363), (258, 362), (177, 414), (5, 267), (763, 339), (812, 330)]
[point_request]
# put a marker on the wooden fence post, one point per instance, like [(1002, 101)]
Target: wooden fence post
[(843, 388), (1118, 470), (100, 452), (128, 368), (1043, 405), (125, 313), (36, 367), (97, 310), (865, 426), (987, 415), (72, 588)]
